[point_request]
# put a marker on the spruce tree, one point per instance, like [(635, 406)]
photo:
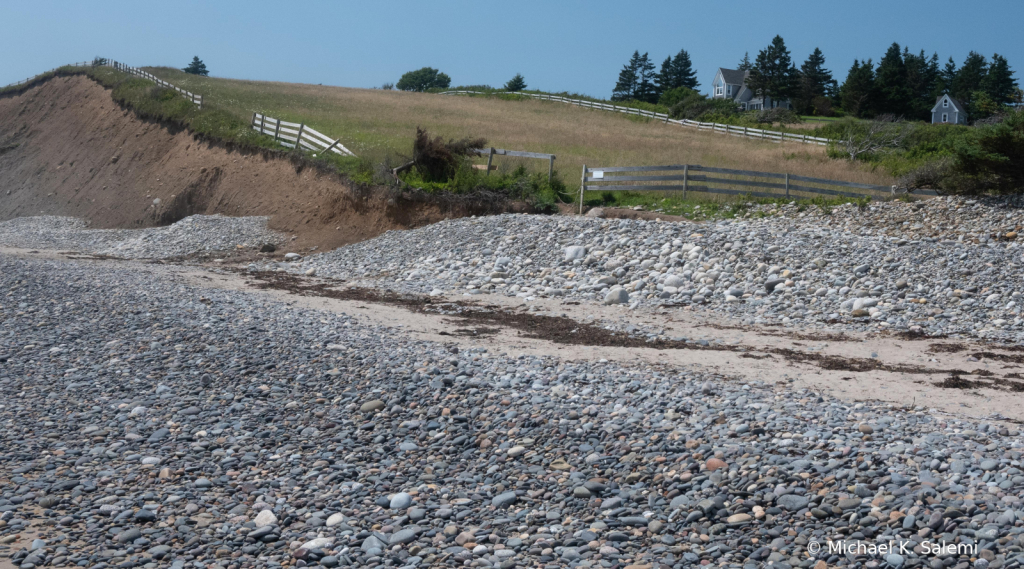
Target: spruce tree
[(517, 83), (626, 86), (947, 77), (664, 78), (745, 64), (855, 94), (646, 86), (773, 76), (922, 74), (197, 67), (682, 71), (969, 78), (999, 83), (935, 79), (892, 95), (815, 81)]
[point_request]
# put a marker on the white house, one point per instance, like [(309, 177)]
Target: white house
[(732, 84), (948, 110)]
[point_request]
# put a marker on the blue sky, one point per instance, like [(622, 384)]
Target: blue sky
[(569, 45)]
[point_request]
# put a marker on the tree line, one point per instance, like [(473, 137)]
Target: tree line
[(903, 84)]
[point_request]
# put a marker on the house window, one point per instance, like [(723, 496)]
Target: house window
[(718, 89), (728, 90), (945, 117), (945, 103)]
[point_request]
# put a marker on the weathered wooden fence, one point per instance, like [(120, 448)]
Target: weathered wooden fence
[(291, 134), (490, 153), (23, 81), (692, 178), (756, 133), (194, 98)]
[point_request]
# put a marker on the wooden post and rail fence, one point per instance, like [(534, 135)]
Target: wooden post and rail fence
[(193, 97), (681, 178), (732, 130), (490, 153), (292, 134)]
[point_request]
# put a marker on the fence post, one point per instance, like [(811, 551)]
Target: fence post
[(298, 138), (551, 167), (263, 123), (253, 122), (277, 129), (686, 180), (583, 186), (490, 157), (787, 185)]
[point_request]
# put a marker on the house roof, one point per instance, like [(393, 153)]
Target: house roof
[(733, 76), (956, 104)]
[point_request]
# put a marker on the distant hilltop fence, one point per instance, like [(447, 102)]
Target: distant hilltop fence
[(693, 178), (196, 99), (291, 134), (742, 131), (23, 81)]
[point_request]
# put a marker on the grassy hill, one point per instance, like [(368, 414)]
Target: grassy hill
[(375, 123)]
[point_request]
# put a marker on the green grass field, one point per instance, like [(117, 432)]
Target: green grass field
[(377, 124)]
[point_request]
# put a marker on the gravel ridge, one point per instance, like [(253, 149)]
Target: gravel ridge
[(148, 423), (942, 266), (193, 234)]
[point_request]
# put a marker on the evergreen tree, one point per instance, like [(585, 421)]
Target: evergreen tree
[(922, 74), (968, 79), (646, 87), (625, 87), (197, 67), (745, 64), (947, 77), (999, 83), (682, 71), (935, 78), (892, 95), (677, 72), (855, 94), (517, 83), (815, 81), (774, 76), (664, 78)]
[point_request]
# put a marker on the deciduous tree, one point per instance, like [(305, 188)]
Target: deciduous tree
[(423, 79)]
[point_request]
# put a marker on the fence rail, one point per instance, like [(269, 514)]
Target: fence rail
[(594, 179), (490, 153), (290, 134), (194, 98), (23, 81), (755, 133)]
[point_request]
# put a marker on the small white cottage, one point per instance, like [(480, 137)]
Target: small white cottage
[(948, 110)]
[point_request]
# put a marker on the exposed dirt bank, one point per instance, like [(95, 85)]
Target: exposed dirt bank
[(66, 148)]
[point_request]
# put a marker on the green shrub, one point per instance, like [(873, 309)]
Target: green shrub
[(672, 96), (776, 115), (696, 107), (990, 161)]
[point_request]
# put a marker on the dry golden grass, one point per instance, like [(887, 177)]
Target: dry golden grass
[(373, 123)]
